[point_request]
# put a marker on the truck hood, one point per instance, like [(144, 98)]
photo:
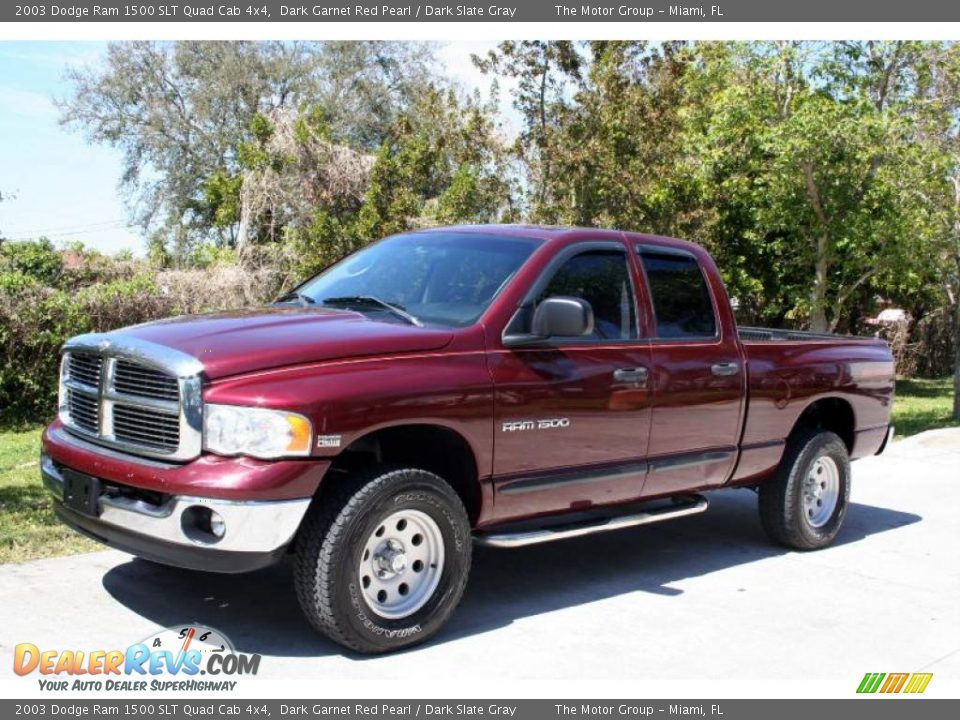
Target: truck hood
[(243, 341)]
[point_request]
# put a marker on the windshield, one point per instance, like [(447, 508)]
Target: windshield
[(436, 278)]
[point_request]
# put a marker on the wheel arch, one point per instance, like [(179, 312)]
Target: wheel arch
[(832, 413), (433, 447)]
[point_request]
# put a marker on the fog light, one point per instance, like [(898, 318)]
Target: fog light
[(217, 525), (202, 525)]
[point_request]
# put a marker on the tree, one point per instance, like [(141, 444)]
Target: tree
[(941, 95), (181, 111), (36, 259), (442, 161), (542, 71), (291, 170), (823, 146), (365, 86), (951, 276), (622, 158)]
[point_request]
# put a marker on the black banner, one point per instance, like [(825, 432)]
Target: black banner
[(486, 709), (644, 11)]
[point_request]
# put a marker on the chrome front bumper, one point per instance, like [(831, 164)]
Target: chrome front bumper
[(256, 533)]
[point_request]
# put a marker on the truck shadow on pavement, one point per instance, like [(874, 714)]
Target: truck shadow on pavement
[(260, 614)]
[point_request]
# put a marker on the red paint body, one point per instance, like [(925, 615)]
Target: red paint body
[(687, 429)]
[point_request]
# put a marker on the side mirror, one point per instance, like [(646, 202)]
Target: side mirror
[(558, 316), (564, 317)]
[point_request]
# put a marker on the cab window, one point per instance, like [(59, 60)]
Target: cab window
[(681, 298), (602, 278)]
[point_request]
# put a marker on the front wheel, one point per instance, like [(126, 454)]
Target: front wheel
[(803, 505), (383, 560)]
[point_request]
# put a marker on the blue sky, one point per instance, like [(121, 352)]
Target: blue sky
[(61, 186), (66, 188)]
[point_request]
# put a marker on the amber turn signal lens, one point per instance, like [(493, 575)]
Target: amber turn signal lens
[(299, 435)]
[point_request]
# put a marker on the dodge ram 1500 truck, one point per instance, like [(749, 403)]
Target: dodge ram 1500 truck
[(504, 385)]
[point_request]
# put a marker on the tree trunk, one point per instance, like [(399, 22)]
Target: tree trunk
[(818, 296), (544, 151), (246, 215)]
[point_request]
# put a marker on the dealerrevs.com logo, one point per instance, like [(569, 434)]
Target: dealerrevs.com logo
[(181, 658)]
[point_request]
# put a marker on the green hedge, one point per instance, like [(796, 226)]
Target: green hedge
[(35, 320), (43, 302)]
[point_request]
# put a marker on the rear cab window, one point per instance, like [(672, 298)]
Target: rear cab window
[(682, 304)]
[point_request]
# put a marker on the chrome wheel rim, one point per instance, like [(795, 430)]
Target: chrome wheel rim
[(821, 491), (401, 564)]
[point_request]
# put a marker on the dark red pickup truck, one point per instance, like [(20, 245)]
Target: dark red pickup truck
[(503, 385)]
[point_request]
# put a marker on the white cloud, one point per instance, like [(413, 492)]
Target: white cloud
[(27, 103)]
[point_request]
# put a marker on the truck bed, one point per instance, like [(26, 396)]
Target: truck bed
[(761, 334), (788, 370)]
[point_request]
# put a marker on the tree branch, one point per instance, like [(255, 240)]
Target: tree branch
[(813, 193), (845, 294), (888, 76)]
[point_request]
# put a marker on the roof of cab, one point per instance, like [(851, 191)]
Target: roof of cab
[(557, 232)]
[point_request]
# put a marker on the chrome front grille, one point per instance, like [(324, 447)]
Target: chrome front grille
[(84, 410), (143, 426), (85, 368), (132, 379), (132, 395)]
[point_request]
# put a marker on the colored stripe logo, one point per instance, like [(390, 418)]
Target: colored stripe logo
[(894, 683)]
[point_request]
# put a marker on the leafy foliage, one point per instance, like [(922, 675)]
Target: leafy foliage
[(37, 261), (441, 162), (43, 303), (805, 167), (182, 112), (543, 72)]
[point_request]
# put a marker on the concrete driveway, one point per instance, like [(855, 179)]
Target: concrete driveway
[(704, 597)]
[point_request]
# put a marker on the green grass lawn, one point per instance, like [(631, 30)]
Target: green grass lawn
[(923, 405), (29, 529)]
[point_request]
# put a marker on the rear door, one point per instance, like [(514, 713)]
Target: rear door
[(697, 375), (572, 420)]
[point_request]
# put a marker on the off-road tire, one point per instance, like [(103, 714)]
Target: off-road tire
[(331, 541), (781, 497)]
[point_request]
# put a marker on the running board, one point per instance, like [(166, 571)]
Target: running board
[(682, 506)]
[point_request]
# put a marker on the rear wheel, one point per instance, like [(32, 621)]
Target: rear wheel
[(803, 505), (383, 560)]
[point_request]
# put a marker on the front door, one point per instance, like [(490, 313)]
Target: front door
[(572, 420)]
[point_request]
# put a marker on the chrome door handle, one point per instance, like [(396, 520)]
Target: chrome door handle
[(725, 369), (631, 375)]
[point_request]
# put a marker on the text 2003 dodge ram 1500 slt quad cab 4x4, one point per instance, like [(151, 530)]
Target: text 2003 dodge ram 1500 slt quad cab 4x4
[(505, 385)]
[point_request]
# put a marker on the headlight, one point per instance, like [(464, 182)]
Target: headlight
[(236, 430)]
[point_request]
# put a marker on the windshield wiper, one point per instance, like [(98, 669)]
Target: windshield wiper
[(397, 310), (298, 296)]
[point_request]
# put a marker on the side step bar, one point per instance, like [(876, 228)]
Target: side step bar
[(680, 507)]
